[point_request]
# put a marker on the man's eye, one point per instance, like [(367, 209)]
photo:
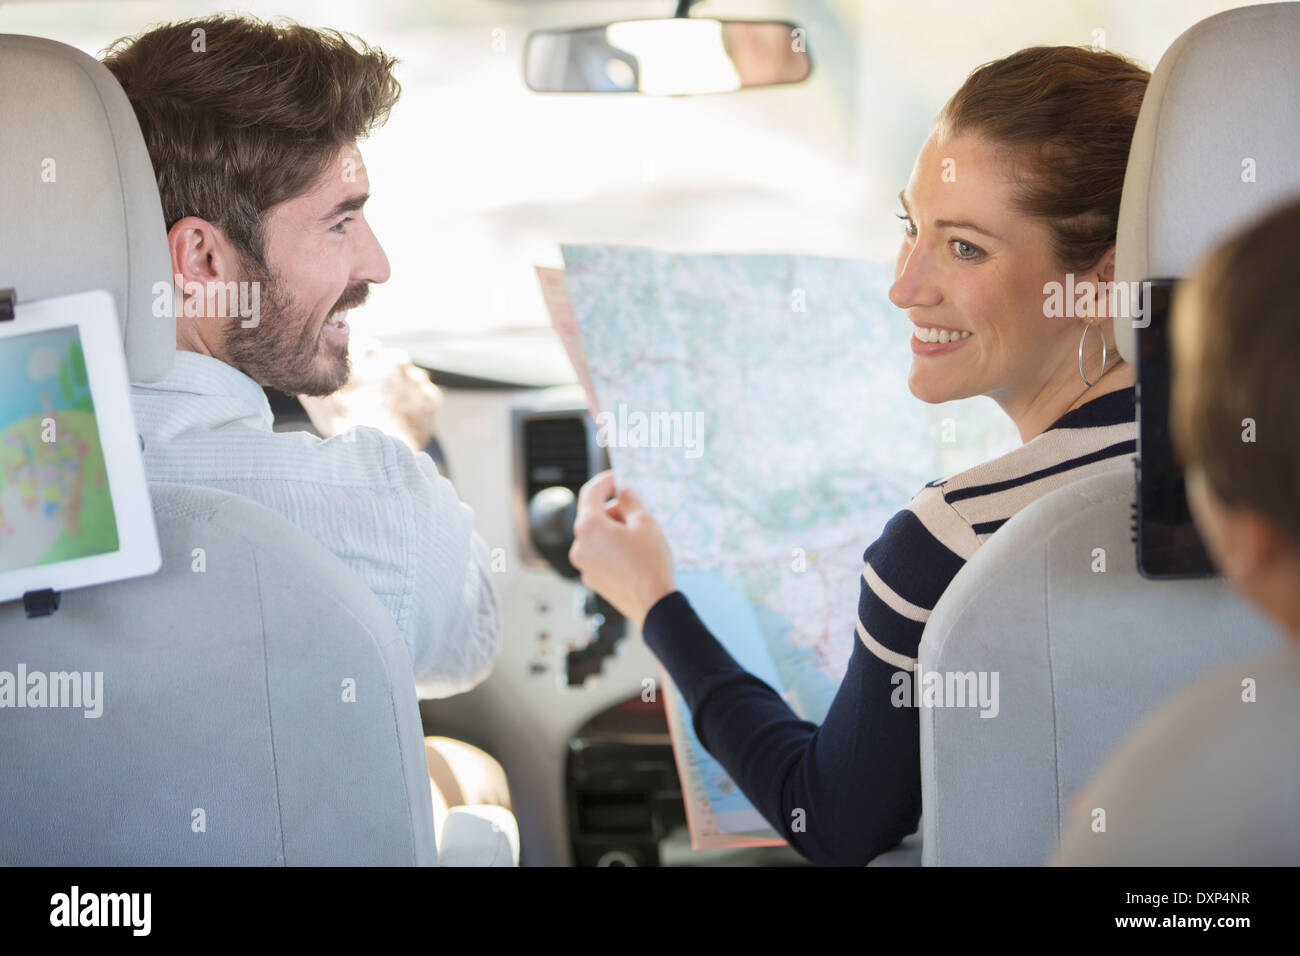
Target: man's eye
[(338, 226), (964, 250), (909, 227)]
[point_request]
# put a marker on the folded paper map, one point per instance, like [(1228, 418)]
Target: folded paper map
[(758, 404)]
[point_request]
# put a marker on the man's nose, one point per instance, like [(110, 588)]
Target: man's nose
[(372, 263)]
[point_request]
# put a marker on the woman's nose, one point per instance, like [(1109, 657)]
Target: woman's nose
[(913, 282)]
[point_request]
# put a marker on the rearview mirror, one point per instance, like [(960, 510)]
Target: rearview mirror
[(664, 57)]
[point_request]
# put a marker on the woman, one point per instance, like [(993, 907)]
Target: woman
[(1017, 187)]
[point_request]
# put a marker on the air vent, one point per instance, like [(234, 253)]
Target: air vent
[(555, 453)]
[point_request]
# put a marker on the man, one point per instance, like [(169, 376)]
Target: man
[(253, 130), (1213, 777)]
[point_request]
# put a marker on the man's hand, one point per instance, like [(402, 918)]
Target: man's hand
[(620, 549), (385, 390)]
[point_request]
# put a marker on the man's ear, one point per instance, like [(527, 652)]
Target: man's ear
[(202, 257), (201, 253)]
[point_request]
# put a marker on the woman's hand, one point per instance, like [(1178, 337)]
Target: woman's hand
[(620, 549)]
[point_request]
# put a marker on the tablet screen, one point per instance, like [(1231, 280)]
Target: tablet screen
[(55, 503)]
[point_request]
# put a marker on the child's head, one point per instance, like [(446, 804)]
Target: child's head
[(1236, 396)]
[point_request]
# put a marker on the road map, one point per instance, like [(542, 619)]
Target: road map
[(758, 404)]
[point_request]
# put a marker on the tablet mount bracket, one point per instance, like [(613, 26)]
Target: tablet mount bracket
[(40, 603)]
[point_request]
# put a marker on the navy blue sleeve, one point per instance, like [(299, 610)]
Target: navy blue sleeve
[(857, 777)]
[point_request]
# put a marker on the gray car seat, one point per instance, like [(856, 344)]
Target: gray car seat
[(253, 712), (1209, 780), (258, 705)]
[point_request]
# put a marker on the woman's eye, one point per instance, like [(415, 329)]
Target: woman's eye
[(909, 227), (965, 250)]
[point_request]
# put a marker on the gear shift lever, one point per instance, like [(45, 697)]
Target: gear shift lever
[(550, 524)]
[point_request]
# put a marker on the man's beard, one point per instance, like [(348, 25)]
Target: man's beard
[(287, 349)]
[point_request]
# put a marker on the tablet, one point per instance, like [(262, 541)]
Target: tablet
[(74, 505), (1169, 545)]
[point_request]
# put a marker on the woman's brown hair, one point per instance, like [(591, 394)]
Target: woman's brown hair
[(241, 114), (1064, 117)]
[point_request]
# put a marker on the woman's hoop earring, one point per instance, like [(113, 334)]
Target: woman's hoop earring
[(1104, 355)]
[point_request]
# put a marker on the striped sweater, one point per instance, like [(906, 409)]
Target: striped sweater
[(853, 784)]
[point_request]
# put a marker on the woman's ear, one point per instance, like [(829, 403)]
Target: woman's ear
[(1106, 267), (1102, 278)]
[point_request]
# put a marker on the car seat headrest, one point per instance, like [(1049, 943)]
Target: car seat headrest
[(1215, 144), (79, 206)]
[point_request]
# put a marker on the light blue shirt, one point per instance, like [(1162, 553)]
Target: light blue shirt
[(384, 510)]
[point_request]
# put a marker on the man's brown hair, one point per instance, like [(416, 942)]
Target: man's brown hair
[(1065, 117), (1236, 342), (246, 113)]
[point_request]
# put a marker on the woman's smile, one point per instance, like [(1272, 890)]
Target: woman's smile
[(936, 340)]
